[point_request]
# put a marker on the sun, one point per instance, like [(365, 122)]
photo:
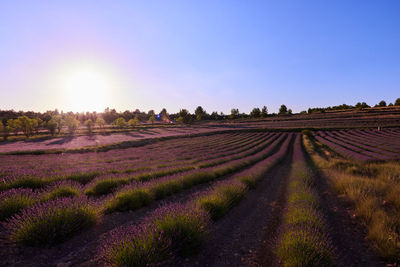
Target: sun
[(86, 88)]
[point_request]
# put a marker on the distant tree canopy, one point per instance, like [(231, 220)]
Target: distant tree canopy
[(397, 102), (200, 113), (234, 113), (283, 110), (255, 113), (120, 122), (382, 104), (72, 123), (52, 126), (89, 125), (264, 112), (100, 122), (152, 118), (133, 122), (184, 116), (362, 105)]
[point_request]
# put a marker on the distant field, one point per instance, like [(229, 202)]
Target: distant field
[(208, 196), (80, 141)]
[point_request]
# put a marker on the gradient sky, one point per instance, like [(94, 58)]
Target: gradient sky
[(217, 54)]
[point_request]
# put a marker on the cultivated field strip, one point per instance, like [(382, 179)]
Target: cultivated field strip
[(379, 142), (372, 189), (50, 163), (366, 145), (144, 173), (108, 184), (303, 239), (354, 146), (381, 136), (34, 205), (164, 225)]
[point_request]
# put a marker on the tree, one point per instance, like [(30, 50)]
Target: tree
[(120, 122), (184, 116), (37, 124), (283, 109), (199, 112), (382, 104), (60, 122), (397, 102), (234, 113), (14, 125), (100, 122), (152, 119), (290, 112), (264, 112), (163, 112), (72, 123), (4, 131), (255, 113), (27, 125), (52, 125), (133, 122), (89, 125), (214, 115)]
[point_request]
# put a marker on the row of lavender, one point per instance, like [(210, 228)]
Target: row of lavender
[(303, 239), (363, 145)]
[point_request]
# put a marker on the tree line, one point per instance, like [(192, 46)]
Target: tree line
[(30, 123), (359, 105)]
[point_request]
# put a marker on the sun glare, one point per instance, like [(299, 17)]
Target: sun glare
[(86, 89)]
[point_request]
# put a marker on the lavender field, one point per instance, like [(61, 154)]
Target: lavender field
[(164, 202)]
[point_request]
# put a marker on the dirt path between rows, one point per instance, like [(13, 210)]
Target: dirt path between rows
[(235, 238)]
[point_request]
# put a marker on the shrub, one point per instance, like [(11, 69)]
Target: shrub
[(30, 182), (302, 247), (104, 186), (140, 246), (14, 200), (51, 222), (62, 189), (170, 231), (129, 200), (222, 198)]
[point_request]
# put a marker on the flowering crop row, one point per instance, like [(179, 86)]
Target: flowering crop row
[(303, 240), (179, 230)]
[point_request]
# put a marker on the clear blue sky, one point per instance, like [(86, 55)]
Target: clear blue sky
[(217, 54)]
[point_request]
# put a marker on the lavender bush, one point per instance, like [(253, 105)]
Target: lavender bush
[(51, 222)]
